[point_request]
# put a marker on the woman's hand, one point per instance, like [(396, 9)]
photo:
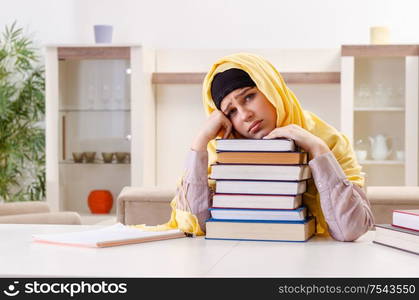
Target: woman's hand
[(217, 124), (306, 140)]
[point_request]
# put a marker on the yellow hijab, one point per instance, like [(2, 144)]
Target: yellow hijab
[(270, 82)]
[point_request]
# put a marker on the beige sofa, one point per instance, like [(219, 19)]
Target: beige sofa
[(35, 212), (385, 199), (139, 205)]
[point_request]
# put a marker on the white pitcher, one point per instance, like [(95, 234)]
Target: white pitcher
[(379, 147)]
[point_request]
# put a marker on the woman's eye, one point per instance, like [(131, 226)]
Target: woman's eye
[(231, 112), (249, 96)]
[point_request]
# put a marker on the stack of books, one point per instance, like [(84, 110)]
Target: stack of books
[(259, 187), (402, 234)]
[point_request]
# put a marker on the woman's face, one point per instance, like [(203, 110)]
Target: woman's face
[(251, 114)]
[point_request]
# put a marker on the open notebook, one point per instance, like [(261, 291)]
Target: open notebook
[(114, 235)]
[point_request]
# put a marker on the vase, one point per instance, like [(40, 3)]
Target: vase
[(103, 33), (100, 201)]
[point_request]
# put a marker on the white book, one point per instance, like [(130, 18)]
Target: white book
[(260, 187), (256, 201), (397, 238), (114, 235), (260, 172), (280, 144), (298, 214), (408, 218)]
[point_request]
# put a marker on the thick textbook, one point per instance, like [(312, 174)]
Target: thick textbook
[(406, 219), (115, 235), (281, 144), (298, 214), (264, 187), (274, 158), (278, 231), (260, 172), (256, 201), (397, 238)]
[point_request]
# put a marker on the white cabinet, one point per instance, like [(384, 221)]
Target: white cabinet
[(379, 110), (96, 101)]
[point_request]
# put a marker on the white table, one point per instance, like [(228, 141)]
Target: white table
[(197, 257)]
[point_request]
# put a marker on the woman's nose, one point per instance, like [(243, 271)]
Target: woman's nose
[(246, 114)]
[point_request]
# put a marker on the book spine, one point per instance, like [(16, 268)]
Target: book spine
[(407, 228)]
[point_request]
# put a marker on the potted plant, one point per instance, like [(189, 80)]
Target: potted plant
[(22, 109)]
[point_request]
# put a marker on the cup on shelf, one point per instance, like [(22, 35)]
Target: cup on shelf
[(361, 155), (103, 33), (400, 155), (90, 156), (363, 96), (78, 157), (384, 95), (379, 35), (128, 157), (120, 157), (107, 157)]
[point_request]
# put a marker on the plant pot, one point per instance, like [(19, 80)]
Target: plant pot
[(100, 201)]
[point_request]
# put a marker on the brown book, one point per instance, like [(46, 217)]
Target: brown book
[(280, 158)]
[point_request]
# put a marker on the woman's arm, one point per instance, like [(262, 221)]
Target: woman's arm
[(194, 194), (344, 204)]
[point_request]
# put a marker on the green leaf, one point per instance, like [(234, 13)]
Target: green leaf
[(22, 105)]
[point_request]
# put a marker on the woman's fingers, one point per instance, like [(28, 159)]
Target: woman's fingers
[(228, 128), (277, 133)]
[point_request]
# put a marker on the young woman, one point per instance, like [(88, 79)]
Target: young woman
[(246, 97)]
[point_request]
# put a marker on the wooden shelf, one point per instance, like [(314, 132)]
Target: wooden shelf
[(94, 110), (381, 162), (78, 53), (289, 77), (97, 162), (383, 109), (380, 50)]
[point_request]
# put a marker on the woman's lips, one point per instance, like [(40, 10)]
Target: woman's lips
[(255, 127)]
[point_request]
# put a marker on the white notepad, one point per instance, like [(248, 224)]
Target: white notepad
[(114, 235)]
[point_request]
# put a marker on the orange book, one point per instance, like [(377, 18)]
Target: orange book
[(280, 158)]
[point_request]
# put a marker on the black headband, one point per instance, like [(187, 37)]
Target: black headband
[(226, 82)]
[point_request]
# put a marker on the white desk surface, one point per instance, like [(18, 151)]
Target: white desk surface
[(197, 257)]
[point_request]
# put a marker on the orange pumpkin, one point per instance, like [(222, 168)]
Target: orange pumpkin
[(100, 201)]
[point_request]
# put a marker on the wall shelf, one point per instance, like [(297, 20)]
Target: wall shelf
[(78, 53), (392, 66), (383, 109), (381, 162), (379, 50), (93, 110), (289, 77), (97, 162), (82, 115)]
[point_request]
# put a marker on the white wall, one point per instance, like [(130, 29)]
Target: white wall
[(49, 21), (217, 23), (248, 23)]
